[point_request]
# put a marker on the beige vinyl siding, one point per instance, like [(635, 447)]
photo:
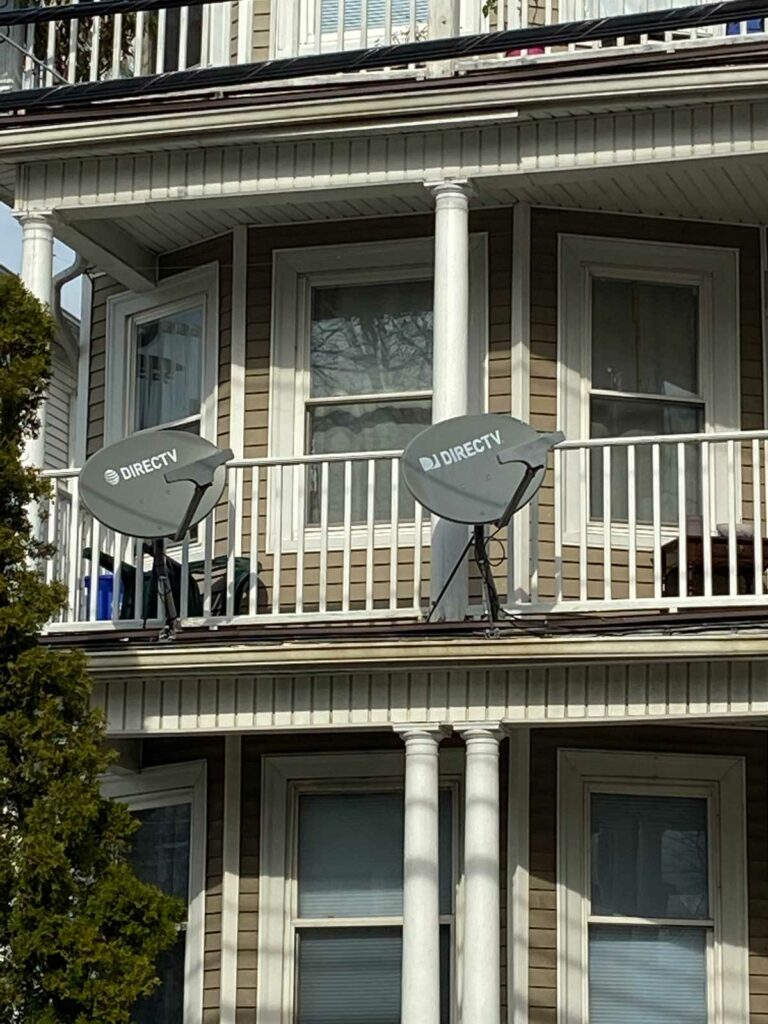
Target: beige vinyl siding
[(261, 28), (175, 751), (59, 411), (103, 288), (543, 843)]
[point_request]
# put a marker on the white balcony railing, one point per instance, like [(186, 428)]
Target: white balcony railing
[(621, 524), (119, 45), (310, 538), (653, 522)]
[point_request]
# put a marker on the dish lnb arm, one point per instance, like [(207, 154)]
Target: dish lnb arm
[(201, 474), (532, 455)]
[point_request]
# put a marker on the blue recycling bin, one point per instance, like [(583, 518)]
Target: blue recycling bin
[(104, 591)]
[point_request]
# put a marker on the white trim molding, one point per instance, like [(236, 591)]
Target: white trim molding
[(198, 286), (721, 781), (230, 886), (162, 786), (518, 874), (715, 273)]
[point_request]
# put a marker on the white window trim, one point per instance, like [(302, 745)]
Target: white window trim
[(124, 311), (161, 787), (281, 778), (295, 272), (716, 273), (723, 778)]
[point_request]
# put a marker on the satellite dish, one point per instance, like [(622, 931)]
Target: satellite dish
[(154, 484), (477, 469)]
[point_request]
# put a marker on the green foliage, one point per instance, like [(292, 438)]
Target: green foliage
[(79, 933)]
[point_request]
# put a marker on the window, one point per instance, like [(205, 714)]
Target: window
[(652, 902), (337, 913), (169, 851), (352, 372), (648, 347), (162, 357)]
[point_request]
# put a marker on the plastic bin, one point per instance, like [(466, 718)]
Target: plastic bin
[(103, 596)]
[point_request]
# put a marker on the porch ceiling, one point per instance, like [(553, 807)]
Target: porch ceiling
[(731, 190)]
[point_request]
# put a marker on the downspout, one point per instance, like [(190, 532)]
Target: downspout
[(70, 342)]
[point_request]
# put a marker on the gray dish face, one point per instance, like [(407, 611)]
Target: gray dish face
[(124, 485), (452, 468)]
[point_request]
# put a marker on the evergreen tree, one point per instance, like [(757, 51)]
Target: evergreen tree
[(79, 932)]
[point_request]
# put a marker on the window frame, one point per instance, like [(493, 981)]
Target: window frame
[(722, 780), (715, 272), (199, 286), (295, 273), (163, 786), (284, 779)]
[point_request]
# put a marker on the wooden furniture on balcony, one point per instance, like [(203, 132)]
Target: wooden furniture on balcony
[(720, 563)]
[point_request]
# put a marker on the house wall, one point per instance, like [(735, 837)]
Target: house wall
[(543, 953)]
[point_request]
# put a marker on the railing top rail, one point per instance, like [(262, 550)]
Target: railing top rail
[(715, 437), (265, 463)]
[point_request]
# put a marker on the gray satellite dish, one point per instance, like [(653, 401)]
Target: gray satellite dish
[(154, 484), (477, 469)]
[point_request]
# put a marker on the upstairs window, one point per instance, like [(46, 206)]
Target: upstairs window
[(352, 373), (162, 357), (648, 347)]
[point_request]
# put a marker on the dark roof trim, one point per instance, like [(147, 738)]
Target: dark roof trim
[(377, 58)]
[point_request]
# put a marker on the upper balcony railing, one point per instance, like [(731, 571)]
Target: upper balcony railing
[(620, 525), (108, 40)]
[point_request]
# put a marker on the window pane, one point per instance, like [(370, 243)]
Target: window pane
[(620, 417), (645, 337), (649, 856), (371, 339), (160, 855), (169, 368), (351, 854), (353, 975), (401, 14), (160, 852), (647, 975), (367, 426)]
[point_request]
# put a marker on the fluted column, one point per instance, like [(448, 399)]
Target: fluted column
[(421, 904), (481, 974), (450, 371), (37, 275)]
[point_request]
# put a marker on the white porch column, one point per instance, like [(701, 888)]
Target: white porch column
[(421, 906), (450, 373), (37, 275), (481, 975)]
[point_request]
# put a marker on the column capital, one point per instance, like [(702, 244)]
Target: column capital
[(481, 732), (459, 188), (34, 217), (428, 733)]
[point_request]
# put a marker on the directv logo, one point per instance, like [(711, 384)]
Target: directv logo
[(459, 452), (143, 468)]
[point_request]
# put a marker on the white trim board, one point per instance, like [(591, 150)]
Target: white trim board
[(641, 692)]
